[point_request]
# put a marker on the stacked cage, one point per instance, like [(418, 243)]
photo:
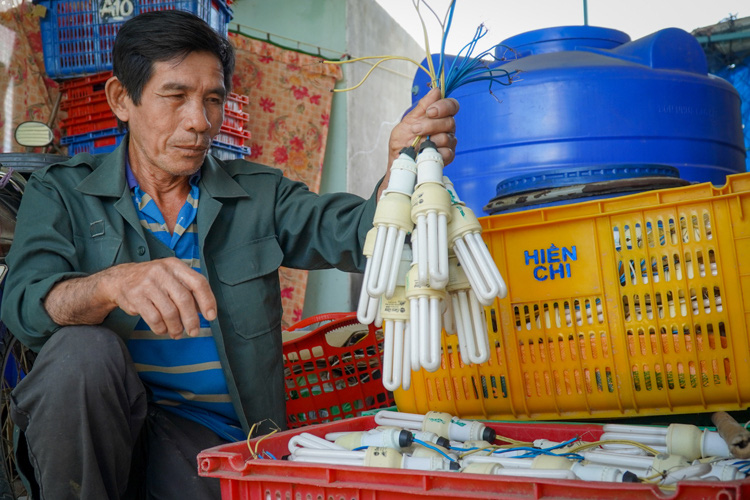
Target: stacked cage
[(229, 143), (90, 126), (77, 40)]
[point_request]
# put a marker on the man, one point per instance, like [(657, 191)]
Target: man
[(160, 253)]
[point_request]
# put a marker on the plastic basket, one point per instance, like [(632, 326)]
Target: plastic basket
[(89, 105), (242, 477), (79, 88), (236, 120), (629, 306), (102, 141), (89, 123), (227, 153), (334, 371), (236, 102), (233, 137), (78, 35)]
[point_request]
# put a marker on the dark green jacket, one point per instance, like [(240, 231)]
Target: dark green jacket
[(77, 218)]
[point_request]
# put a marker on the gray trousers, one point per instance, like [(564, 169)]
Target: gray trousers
[(87, 430)]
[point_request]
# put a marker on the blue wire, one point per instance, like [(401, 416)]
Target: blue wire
[(445, 37), (426, 445), (563, 444), (534, 452), (271, 455), (467, 68)]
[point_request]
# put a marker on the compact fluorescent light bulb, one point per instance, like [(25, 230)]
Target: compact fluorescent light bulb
[(425, 319), (465, 238), (393, 221), (468, 315), (441, 423), (395, 312), (679, 439), (430, 212), (368, 306)]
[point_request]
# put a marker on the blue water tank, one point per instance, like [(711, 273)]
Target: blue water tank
[(589, 96)]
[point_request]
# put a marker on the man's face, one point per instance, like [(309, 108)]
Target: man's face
[(181, 110)]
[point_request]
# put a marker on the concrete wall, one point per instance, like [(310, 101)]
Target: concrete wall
[(361, 119)]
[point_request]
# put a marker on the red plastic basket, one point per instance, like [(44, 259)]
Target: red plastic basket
[(236, 102), (236, 120), (78, 88), (245, 478), (233, 137), (89, 123), (89, 105), (334, 371)]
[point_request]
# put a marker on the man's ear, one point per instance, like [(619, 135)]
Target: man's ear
[(118, 99)]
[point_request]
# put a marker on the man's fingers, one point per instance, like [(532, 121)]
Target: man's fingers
[(426, 128), (167, 294), (202, 295), (443, 108), (420, 109)]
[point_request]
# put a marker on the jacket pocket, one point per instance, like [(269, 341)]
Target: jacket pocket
[(249, 286), (98, 253)]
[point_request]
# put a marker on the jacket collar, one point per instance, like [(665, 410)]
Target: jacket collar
[(108, 177)]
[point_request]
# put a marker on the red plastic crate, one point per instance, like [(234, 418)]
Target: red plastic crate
[(334, 371), (89, 105), (236, 120), (233, 137), (89, 123), (78, 88), (245, 478), (235, 102)]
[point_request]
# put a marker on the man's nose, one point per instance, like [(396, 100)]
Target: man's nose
[(197, 116)]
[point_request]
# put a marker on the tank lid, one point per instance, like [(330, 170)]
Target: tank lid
[(563, 38), (569, 176)]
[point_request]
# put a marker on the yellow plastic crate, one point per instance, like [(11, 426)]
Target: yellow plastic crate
[(630, 306)]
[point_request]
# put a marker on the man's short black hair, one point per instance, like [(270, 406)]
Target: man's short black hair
[(163, 36)]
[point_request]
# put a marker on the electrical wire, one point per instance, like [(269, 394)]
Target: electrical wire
[(594, 444), (465, 68), (434, 448)]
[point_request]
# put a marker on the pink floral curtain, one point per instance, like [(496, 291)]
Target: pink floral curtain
[(290, 105), (25, 91)]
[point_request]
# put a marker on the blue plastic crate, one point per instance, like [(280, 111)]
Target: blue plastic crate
[(228, 152), (77, 36), (101, 141)]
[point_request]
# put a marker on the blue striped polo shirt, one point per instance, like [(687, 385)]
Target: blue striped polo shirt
[(183, 375)]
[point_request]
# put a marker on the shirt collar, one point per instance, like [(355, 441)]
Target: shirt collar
[(133, 182)]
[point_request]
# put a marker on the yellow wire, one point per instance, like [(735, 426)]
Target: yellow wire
[(594, 444), (386, 58), (254, 451), (433, 77), (249, 437)]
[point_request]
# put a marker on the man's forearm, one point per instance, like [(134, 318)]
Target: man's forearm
[(78, 301)]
